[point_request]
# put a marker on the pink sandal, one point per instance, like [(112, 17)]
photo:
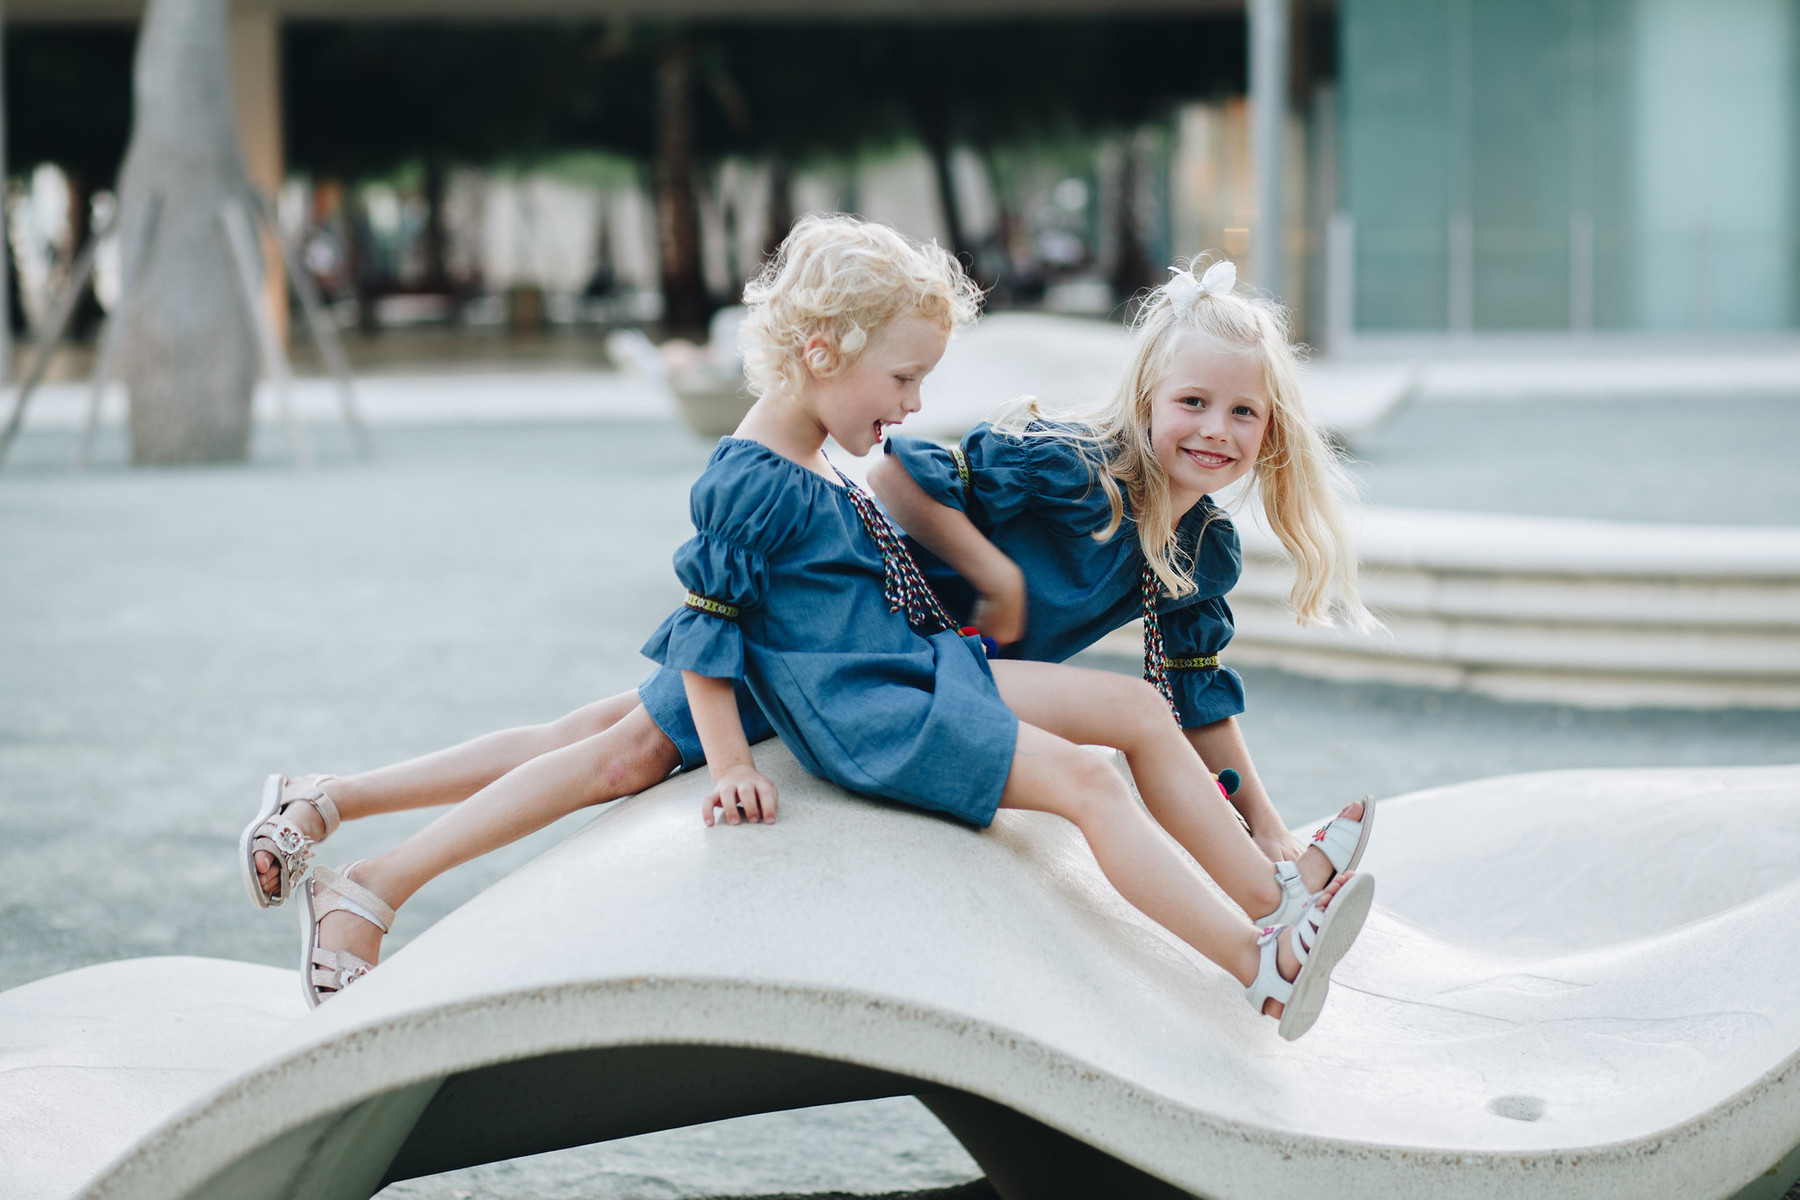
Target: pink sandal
[(277, 833), (325, 973)]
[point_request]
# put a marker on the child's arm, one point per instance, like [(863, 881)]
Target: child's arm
[(737, 784), (1222, 742), (949, 534)]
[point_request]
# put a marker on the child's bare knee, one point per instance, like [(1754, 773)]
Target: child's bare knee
[(1094, 786), (631, 765)]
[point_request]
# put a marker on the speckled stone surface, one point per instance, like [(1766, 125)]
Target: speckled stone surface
[(1580, 976)]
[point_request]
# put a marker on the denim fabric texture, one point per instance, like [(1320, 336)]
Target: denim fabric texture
[(1037, 499), (664, 698), (857, 695)]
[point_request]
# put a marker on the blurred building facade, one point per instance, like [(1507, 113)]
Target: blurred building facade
[(1527, 166), (1452, 168)]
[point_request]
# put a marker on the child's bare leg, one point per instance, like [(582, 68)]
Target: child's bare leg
[(1052, 775), (629, 756), (1107, 709), (451, 775)]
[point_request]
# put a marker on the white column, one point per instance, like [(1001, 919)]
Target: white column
[(256, 102), (1268, 116)]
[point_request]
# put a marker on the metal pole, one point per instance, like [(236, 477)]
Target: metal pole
[(5, 230), (1268, 117)]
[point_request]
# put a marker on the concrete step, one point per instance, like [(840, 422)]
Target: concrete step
[(1593, 613)]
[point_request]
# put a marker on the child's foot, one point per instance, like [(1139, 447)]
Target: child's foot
[(346, 931), (1295, 962), (1346, 834), (1287, 963), (1298, 882), (295, 815), (342, 926)]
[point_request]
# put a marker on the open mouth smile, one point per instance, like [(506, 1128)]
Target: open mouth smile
[(1208, 458)]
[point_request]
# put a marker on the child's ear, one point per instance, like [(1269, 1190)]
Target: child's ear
[(819, 356)]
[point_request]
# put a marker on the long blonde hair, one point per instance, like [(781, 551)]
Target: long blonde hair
[(1297, 475)]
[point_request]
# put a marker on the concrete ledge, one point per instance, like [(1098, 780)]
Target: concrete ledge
[(1524, 1015), (1595, 613)]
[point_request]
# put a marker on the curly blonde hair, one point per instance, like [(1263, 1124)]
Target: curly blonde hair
[(1298, 477), (845, 279)]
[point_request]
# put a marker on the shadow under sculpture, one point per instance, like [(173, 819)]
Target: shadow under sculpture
[(1532, 1015)]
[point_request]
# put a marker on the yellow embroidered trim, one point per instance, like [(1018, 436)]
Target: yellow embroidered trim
[(962, 465), (717, 608), (1208, 662)]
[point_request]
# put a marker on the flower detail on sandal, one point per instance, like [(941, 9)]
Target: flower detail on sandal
[(274, 832), (1342, 840)]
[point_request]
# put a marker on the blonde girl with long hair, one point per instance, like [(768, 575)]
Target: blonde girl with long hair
[(1060, 531)]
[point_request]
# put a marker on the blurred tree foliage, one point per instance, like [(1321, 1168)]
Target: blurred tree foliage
[(68, 98), (365, 99)]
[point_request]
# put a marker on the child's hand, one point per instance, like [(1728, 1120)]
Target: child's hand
[(745, 794), (1000, 612)]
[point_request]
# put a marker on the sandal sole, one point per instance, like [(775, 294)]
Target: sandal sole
[(1343, 920), (1362, 839), (309, 941), (271, 801)]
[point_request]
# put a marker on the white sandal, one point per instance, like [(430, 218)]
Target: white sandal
[(1319, 939), (1294, 896), (325, 973), (1342, 840), (272, 830)]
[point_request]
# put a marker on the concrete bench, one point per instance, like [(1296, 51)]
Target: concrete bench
[(1575, 982)]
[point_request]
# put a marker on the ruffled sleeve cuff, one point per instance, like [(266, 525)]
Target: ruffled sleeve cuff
[(1206, 696), (700, 642), (943, 472)]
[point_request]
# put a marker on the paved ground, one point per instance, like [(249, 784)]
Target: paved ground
[(168, 637)]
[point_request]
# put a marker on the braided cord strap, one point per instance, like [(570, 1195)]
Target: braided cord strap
[(903, 586), (1156, 661)]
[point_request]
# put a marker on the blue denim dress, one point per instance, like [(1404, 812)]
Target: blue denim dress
[(1036, 498), (786, 595)]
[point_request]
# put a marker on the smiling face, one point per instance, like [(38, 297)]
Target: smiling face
[(882, 388), (1208, 416)]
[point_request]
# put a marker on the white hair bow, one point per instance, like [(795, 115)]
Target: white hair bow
[(1184, 289)]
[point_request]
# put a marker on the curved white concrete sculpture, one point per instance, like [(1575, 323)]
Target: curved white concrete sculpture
[(1527, 1016)]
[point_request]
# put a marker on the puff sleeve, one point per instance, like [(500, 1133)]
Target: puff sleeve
[(940, 471), (725, 569), (995, 476)]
